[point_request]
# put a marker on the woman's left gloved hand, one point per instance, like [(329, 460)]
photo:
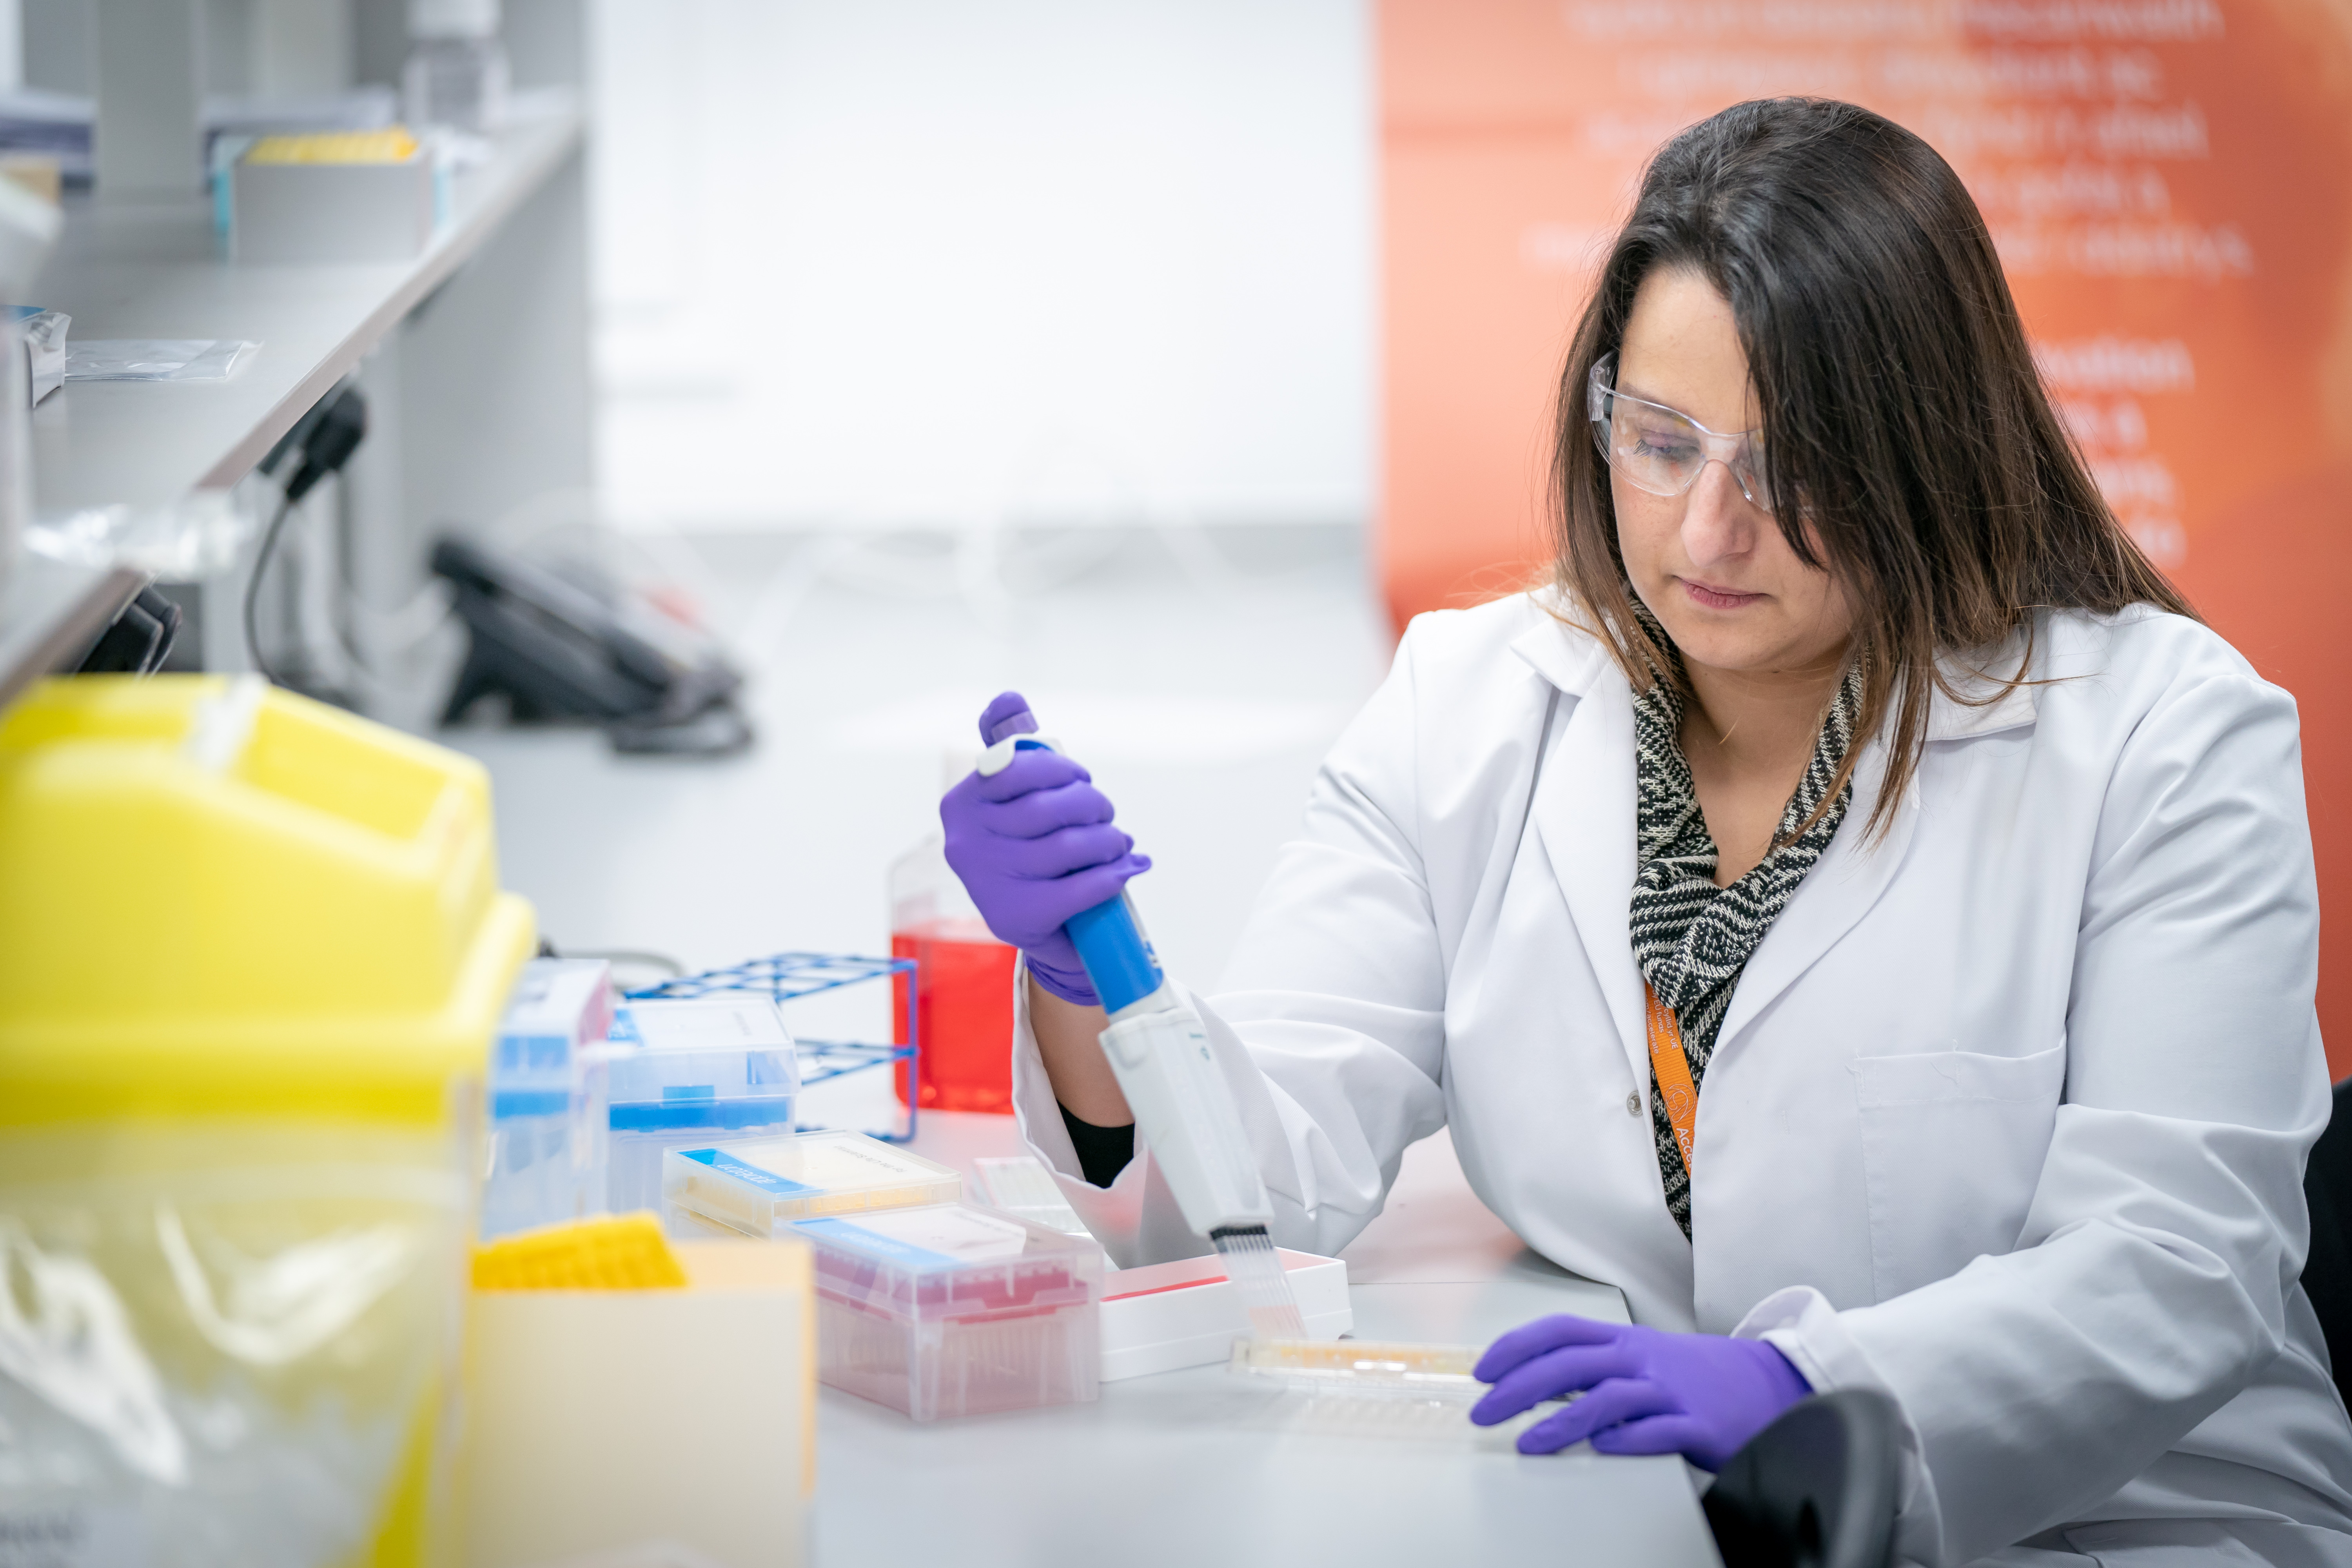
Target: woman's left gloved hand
[(1646, 1390)]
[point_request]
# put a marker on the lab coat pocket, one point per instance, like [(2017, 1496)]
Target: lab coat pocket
[(1952, 1146)]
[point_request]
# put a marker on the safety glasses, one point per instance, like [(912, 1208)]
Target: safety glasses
[(1655, 449)]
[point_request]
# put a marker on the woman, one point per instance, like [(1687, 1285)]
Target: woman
[(1858, 909)]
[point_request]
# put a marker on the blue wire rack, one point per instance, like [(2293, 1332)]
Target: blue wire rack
[(788, 976)]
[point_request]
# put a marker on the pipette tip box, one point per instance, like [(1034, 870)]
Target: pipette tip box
[(690, 1075), (950, 1310), (1187, 1313), (380, 206), (547, 1138), (758, 1186)]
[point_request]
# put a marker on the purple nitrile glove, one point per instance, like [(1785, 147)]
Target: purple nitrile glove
[(1646, 1390), (1034, 845), (1007, 713)]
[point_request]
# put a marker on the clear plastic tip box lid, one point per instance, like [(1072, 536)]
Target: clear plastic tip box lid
[(952, 1311), (547, 1143), (759, 1185), (558, 1005), (686, 1074), (717, 1047)]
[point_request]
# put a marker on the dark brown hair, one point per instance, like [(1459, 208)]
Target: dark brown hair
[(1906, 427)]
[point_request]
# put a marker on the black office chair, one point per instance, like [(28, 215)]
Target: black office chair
[(1815, 1490), (2328, 1272)]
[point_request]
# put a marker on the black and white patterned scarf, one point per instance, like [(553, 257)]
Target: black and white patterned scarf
[(1692, 937)]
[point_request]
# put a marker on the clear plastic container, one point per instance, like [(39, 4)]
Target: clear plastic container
[(457, 75), (547, 1142), (461, 83), (1021, 1185), (760, 1187), (954, 1310), (528, 1182), (696, 1073)]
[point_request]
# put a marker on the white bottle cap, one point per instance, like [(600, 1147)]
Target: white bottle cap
[(452, 19)]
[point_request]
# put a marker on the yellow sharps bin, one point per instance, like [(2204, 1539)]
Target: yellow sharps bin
[(252, 953)]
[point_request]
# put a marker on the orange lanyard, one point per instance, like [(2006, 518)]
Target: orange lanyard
[(1673, 1068)]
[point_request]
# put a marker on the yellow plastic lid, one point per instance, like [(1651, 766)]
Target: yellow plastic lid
[(219, 898)]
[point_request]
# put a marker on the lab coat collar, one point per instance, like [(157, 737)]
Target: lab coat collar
[(1859, 866), (1981, 708), (1849, 877), (1556, 647), (1583, 812)]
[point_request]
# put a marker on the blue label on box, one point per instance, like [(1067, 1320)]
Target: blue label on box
[(526, 1053), (706, 1116), (506, 1104), (745, 1172), (882, 1248)]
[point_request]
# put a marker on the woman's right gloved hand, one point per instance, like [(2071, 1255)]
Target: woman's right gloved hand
[(1034, 845)]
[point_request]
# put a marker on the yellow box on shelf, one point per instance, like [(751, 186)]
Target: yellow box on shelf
[(256, 956), (330, 198)]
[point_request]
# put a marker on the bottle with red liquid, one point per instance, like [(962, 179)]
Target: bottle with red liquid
[(961, 991)]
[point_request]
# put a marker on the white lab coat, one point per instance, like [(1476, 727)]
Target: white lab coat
[(2006, 1118)]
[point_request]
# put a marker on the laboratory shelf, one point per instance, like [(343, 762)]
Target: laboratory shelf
[(50, 614), (159, 271), (786, 976)]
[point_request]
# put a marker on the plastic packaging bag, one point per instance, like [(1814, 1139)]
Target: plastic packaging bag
[(228, 1358), (45, 348), (157, 359), (181, 540)]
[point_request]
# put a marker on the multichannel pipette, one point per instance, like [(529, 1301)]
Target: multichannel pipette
[(1159, 1051)]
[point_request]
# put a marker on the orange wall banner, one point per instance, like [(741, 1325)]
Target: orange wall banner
[(2170, 185)]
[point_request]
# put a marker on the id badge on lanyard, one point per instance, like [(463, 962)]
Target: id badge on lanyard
[(1673, 1068)]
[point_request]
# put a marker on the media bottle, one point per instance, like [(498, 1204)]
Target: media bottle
[(963, 991)]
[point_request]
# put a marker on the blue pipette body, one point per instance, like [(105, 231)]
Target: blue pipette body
[(1117, 957), (1118, 960)]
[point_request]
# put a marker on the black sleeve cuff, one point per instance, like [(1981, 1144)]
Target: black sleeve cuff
[(1103, 1152)]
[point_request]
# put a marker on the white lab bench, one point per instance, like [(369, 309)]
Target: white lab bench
[(1194, 1468)]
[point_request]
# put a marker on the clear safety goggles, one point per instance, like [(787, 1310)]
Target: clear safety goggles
[(1662, 451)]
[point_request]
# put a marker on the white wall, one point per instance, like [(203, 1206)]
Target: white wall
[(960, 261)]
